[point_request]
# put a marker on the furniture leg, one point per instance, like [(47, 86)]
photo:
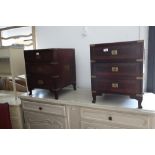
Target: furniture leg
[(94, 98)]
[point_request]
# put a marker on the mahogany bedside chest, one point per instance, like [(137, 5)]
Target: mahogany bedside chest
[(51, 69), (117, 68)]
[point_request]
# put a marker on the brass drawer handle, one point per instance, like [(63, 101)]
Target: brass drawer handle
[(40, 82), (114, 85), (114, 69), (114, 52)]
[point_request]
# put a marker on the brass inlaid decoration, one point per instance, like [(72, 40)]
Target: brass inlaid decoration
[(139, 60), (93, 76), (139, 78)]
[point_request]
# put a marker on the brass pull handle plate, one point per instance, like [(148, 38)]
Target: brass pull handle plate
[(114, 85), (114, 69), (114, 52), (40, 82), (67, 67)]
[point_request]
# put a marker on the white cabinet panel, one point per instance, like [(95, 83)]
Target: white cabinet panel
[(34, 120), (118, 118), (44, 108)]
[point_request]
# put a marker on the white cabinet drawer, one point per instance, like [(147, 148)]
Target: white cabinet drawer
[(44, 108), (97, 125), (35, 120), (131, 120)]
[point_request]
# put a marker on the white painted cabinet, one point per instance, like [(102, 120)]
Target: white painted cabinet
[(12, 63), (44, 116), (16, 116), (34, 120), (54, 114)]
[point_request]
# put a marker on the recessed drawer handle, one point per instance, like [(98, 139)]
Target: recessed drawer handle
[(105, 50), (114, 85), (114, 52), (40, 108), (110, 118), (114, 69)]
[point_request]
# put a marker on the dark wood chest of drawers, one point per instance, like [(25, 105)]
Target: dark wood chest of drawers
[(51, 69), (117, 68)]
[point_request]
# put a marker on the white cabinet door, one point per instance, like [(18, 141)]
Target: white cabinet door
[(34, 120), (73, 114)]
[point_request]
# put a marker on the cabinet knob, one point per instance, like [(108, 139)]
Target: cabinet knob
[(110, 118), (40, 108)]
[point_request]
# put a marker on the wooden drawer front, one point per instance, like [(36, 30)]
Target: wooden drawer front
[(50, 69), (119, 69), (35, 120), (44, 108), (127, 120), (117, 86), (117, 51), (40, 55), (40, 81)]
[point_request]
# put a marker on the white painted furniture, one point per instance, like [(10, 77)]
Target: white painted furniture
[(14, 108), (75, 113), (42, 115), (12, 63)]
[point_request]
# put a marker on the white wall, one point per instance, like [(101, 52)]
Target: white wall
[(80, 37)]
